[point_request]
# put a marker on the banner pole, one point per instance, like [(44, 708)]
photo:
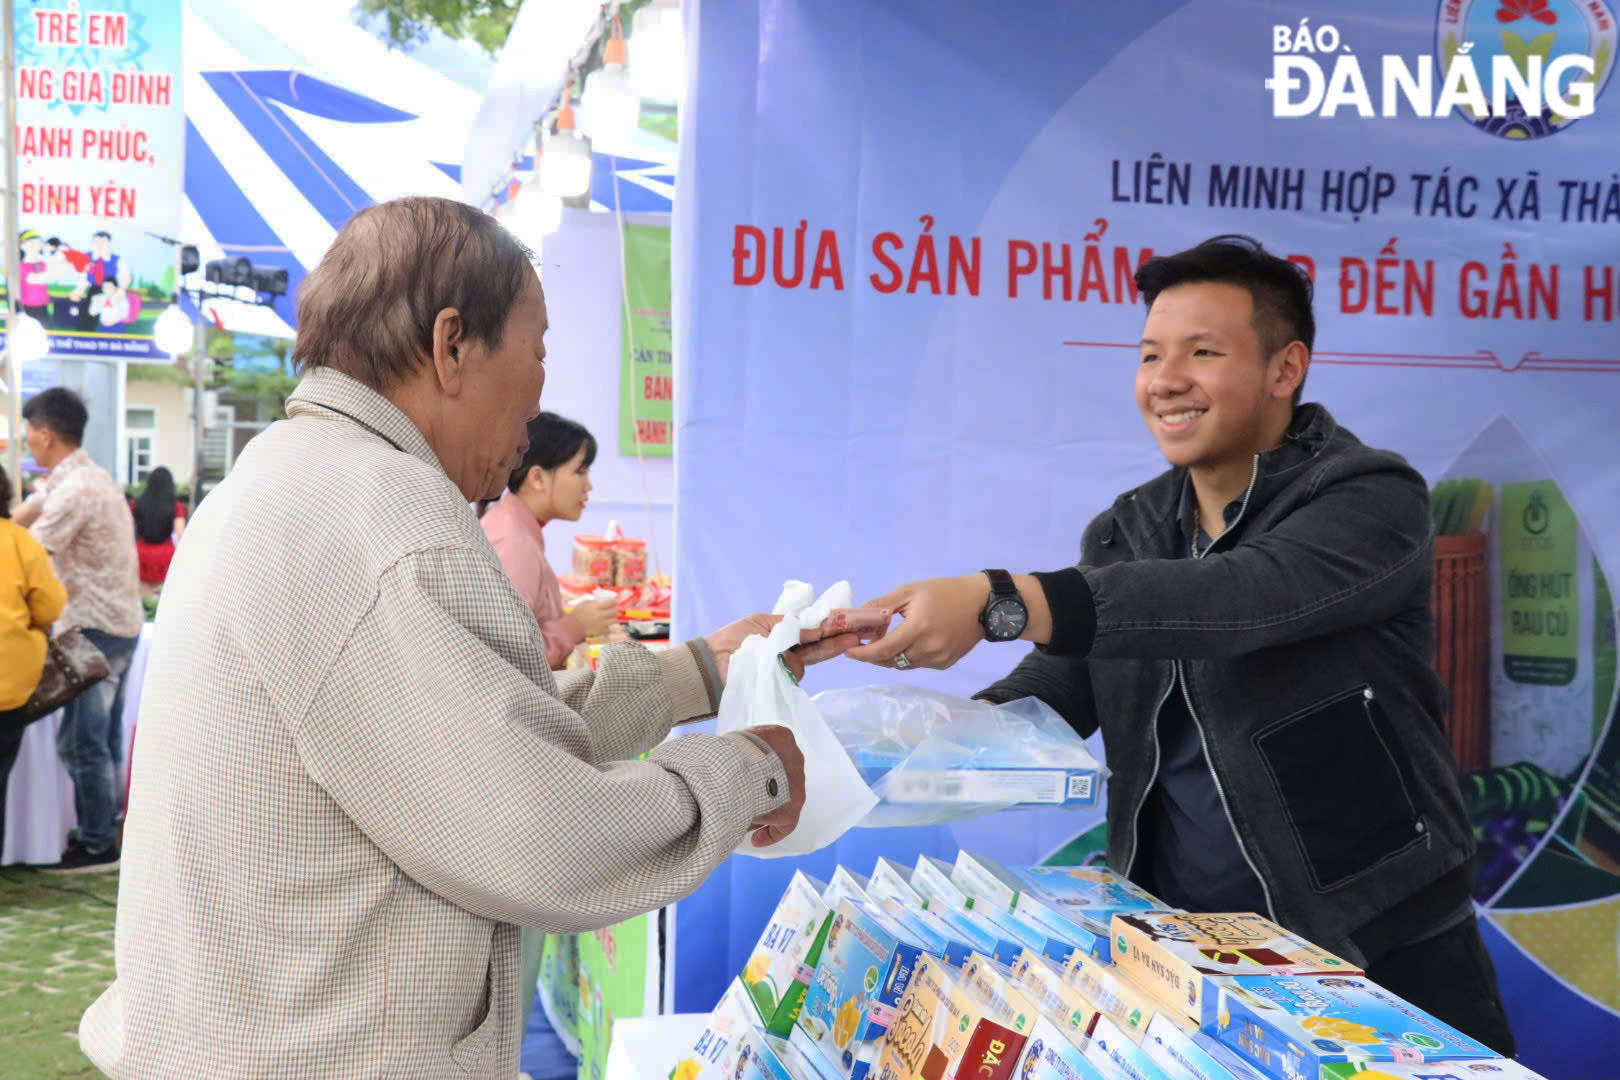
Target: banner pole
[(13, 257)]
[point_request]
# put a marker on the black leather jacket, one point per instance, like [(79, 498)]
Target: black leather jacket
[(1303, 642)]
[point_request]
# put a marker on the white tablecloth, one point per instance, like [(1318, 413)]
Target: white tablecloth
[(39, 799), (649, 1046)]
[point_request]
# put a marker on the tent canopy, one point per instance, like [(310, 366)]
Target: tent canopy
[(298, 116)]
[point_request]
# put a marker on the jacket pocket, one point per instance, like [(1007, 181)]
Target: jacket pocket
[(472, 1052), (1342, 786)]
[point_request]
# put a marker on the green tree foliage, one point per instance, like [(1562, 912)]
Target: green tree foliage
[(485, 22)]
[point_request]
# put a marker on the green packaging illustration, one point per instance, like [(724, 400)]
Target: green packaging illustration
[(1541, 627)]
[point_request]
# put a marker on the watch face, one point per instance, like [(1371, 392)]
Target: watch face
[(1006, 620)]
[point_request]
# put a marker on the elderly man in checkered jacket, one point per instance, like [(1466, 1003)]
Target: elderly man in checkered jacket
[(358, 775)]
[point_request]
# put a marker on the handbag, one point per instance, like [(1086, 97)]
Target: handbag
[(72, 666)]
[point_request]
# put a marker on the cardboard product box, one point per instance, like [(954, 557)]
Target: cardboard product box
[(892, 879), (866, 964), (1192, 1056), (1091, 888), (1116, 996), (991, 884), (847, 883), (1089, 895), (1481, 1069), (758, 1059), (909, 1050), (992, 1053), (1006, 940), (1055, 999), (1118, 1055), (1049, 1054), (985, 879), (967, 1010), (719, 1046), (1296, 1026), (805, 1059), (997, 984), (987, 783), (980, 934), (1170, 954), (932, 880), (940, 937), (1060, 948), (779, 962)]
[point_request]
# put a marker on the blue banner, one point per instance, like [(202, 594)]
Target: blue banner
[(903, 299)]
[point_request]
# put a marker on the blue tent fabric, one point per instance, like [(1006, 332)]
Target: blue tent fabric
[(230, 216)]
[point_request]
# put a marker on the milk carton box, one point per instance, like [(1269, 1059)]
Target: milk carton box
[(1056, 1000), (1007, 938), (1049, 1054), (909, 1050), (935, 934), (993, 885), (891, 879), (1291, 1027), (805, 1059), (932, 880), (1112, 994), (1170, 954), (997, 984), (845, 882), (866, 964), (758, 1059), (1187, 1055), (1088, 895), (981, 1024), (778, 971), (1480, 1069), (723, 1040), (1118, 1055)]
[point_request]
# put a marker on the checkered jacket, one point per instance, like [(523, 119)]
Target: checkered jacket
[(356, 777)]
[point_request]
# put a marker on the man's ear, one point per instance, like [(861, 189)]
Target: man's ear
[(1289, 367), (449, 351)]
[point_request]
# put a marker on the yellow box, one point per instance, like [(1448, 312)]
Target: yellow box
[(1115, 996), (1170, 954), (1056, 1000)]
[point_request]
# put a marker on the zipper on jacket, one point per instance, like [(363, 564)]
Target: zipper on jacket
[(1271, 910), (1203, 740), (1153, 777)]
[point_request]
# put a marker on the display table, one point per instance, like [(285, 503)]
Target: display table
[(650, 1045), (39, 798)]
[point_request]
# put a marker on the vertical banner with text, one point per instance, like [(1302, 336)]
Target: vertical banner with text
[(100, 139), (646, 381)]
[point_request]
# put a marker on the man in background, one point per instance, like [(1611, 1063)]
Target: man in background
[(79, 515)]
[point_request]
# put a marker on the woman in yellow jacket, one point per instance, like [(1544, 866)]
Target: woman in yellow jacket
[(30, 600)]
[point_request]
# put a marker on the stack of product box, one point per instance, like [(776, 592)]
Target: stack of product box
[(973, 970)]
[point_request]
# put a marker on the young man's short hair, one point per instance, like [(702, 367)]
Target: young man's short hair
[(1281, 290), (60, 410)]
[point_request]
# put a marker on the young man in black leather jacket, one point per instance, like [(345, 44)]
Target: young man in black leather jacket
[(1251, 630)]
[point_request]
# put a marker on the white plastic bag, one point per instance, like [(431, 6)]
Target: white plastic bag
[(760, 691)]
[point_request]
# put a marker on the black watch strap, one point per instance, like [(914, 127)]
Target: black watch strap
[(1001, 584)]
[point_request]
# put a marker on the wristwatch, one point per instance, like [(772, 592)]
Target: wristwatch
[(1004, 616)]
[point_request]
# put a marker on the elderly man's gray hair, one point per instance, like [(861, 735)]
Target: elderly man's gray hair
[(369, 306)]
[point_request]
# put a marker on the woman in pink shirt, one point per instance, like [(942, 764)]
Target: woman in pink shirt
[(553, 482)]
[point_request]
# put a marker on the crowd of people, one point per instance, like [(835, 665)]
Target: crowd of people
[(78, 537)]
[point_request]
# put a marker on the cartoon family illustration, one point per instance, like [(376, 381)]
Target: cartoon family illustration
[(99, 296)]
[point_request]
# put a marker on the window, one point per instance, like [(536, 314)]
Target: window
[(140, 439)]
